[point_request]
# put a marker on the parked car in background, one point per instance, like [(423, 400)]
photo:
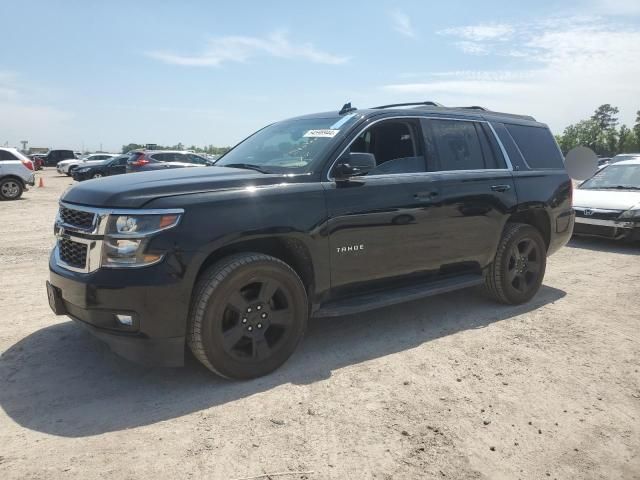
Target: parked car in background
[(54, 156), (624, 156), (608, 204), (16, 172), (67, 166), (38, 160), (103, 168), (146, 160)]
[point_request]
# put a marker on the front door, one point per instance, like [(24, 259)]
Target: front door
[(375, 221)]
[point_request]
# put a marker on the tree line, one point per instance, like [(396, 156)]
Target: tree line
[(601, 133), (209, 149)]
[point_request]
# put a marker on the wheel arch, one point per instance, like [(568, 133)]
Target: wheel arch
[(14, 177), (291, 251), (538, 218)]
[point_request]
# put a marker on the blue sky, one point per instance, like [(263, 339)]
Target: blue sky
[(77, 73)]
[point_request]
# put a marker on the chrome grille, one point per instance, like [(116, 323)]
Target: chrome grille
[(77, 218), (72, 253)]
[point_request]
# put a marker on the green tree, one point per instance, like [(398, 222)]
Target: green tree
[(131, 146), (605, 117)]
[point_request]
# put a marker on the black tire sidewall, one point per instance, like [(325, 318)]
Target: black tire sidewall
[(513, 295), (222, 362)]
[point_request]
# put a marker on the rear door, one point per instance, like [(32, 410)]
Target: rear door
[(117, 166), (476, 189)]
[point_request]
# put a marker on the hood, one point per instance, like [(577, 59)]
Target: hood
[(606, 199), (133, 190)]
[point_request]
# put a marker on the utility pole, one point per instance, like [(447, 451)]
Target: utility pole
[(24, 145)]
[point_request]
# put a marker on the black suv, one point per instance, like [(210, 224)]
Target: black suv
[(321, 215), (52, 158)]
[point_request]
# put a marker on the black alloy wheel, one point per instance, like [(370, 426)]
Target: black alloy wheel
[(517, 271), (249, 312)]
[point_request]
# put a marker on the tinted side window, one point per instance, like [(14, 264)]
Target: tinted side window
[(537, 145), (4, 155), (396, 145), (162, 157), (195, 159), (458, 145)]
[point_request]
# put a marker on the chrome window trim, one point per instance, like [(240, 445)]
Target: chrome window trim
[(509, 165), (94, 245)]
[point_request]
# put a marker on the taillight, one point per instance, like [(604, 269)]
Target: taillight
[(28, 164), (140, 161)]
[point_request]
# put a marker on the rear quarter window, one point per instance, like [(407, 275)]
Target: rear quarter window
[(537, 145)]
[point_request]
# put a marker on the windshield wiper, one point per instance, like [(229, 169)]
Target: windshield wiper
[(622, 187), (246, 166)]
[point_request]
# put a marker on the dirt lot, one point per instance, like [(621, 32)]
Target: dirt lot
[(452, 387)]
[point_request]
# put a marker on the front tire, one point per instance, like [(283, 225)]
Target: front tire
[(518, 269), (248, 314), (10, 189), (97, 175)]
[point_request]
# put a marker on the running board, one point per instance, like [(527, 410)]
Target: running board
[(371, 301)]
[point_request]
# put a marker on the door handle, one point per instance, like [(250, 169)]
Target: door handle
[(425, 196), (500, 188)]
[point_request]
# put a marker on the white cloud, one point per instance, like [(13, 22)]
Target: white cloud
[(567, 68), (241, 48), (402, 24), (478, 33)]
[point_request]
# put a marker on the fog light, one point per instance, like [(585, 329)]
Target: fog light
[(126, 320)]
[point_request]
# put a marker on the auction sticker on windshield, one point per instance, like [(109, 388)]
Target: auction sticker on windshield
[(327, 133)]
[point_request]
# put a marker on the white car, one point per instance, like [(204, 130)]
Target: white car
[(608, 204), (66, 166), (16, 172)]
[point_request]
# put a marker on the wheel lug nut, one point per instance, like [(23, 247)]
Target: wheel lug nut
[(259, 325), (244, 320), (249, 310), (264, 315), (250, 328), (259, 307)]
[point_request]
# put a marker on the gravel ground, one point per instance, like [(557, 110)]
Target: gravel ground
[(450, 387)]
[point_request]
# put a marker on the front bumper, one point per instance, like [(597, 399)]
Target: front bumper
[(154, 297), (80, 176), (614, 229)]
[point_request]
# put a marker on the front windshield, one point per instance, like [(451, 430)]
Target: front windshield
[(287, 147), (615, 177)]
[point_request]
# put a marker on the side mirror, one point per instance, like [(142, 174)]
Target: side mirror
[(353, 165)]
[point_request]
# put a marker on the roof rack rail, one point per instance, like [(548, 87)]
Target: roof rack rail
[(410, 104), (474, 107)]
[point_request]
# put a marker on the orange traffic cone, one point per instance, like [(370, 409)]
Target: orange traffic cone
[(41, 183)]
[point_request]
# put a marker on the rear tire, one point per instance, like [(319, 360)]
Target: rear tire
[(518, 269), (248, 313), (10, 189)]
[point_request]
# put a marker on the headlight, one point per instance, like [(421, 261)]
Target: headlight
[(633, 213), (127, 237)]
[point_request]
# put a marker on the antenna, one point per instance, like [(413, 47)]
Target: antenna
[(346, 108)]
